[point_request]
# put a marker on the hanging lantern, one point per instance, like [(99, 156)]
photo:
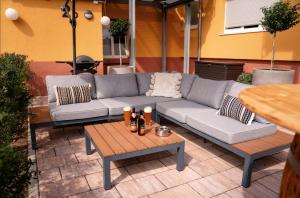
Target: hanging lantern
[(11, 14), (105, 20)]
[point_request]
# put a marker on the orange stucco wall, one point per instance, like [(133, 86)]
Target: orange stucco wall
[(42, 33)]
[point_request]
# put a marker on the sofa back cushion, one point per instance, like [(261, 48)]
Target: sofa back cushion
[(67, 81), (144, 81), (208, 92), (186, 84), (116, 85)]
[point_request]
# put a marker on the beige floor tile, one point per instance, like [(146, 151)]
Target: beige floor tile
[(169, 162), (173, 177), (140, 187), (64, 188), (212, 185), (82, 156), (80, 169), (209, 167), (182, 191), (282, 156), (222, 196), (95, 180), (50, 175), (98, 193), (146, 168), (57, 161), (232, 159), (272, 182), (256, 190), (197, 155), (45, 153)]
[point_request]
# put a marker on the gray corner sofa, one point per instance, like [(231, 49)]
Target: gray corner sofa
[(196, 110)]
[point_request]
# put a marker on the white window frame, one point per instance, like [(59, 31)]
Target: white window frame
[(242, 29)]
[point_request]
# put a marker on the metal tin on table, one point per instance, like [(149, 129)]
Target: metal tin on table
[(162, 131)]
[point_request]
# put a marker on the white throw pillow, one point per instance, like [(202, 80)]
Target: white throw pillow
[(165, 84)]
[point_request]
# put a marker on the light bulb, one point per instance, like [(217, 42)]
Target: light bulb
[(11, 14), (105, 20)]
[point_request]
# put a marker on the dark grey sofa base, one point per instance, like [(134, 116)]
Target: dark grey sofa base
[(248, 159)]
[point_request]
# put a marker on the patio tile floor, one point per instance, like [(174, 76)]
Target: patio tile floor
[(66, 171)]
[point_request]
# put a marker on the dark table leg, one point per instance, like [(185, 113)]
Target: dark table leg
[(106, 174), (88, 146), (180, 157)]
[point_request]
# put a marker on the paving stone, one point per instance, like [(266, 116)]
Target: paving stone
[(64, 188), (177, 192), (83, 157), (57, 161), (212, 185), (146, 168), (173, 177), (272, 182), (197, 155), (80, 169), (50, 175), (170, 162), (98, 193), (282, 156), (153, 156), (232, 159), (209, 167), (45, 153), (95, 180), (256, 190), (140, 187)]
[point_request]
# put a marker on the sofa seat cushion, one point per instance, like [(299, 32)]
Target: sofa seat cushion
[(90, 109), (179, 110), (115, 105), (227, 129)]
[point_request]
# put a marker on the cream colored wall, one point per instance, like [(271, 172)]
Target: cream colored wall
[(43, 35)]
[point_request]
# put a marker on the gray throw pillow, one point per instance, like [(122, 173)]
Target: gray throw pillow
[(143, 80), (67, 81), (208, 92), (234, 89), (186, 84), (116, 85)]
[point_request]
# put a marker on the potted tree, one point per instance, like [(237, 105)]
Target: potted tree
[(118, 29), (279, 17)]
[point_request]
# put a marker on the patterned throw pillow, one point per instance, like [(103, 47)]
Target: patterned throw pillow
[(72, 95), (165, 85), (231, 107)]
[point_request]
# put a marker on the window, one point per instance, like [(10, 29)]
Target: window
[(111, 45), (243, 16)]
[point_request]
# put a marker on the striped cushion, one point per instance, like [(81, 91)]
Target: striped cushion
[(72, 95), (232, 108)]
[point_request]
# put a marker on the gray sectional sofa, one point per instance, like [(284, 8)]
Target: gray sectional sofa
[(196, 110)]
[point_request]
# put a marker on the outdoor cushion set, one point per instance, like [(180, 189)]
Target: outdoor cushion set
[(196, 107)]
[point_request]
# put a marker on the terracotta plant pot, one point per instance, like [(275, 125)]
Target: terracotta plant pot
[(273, 76)]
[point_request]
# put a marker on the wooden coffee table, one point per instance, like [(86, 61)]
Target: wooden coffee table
[(114, 141)]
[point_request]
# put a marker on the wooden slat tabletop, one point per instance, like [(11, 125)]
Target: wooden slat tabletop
[(115, 138), (278, 103)]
